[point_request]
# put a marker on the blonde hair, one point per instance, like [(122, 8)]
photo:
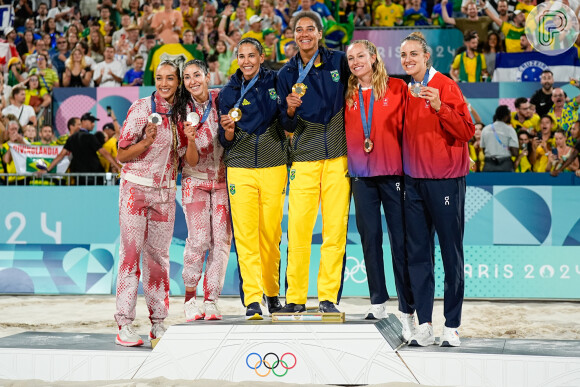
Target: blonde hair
[(379, 79), (69, 61)]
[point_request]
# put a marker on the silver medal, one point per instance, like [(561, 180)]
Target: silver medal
[(415, 89), (155, 118), (193, 118)]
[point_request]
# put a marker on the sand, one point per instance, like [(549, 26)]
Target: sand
[(94, 314)]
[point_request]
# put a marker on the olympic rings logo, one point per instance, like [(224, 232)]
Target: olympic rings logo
[(270, 366), (351, 270)]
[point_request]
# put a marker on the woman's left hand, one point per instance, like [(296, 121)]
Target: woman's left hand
[(431, 94), (189, 130)]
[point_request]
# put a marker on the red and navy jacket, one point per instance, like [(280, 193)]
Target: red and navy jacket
[(318, 124), (386, 132), (259, 140), (435, 143)]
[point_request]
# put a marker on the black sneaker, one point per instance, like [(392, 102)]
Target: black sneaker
[(293, 308), (254, 312), (327, 307), (272, 304)]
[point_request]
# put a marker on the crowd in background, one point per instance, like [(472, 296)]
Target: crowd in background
[(111, 43)]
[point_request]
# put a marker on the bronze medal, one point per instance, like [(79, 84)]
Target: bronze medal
[(368, 145)]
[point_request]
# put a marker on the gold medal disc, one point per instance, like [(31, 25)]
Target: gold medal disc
[(235, 114), (300, 89), (368, 145)]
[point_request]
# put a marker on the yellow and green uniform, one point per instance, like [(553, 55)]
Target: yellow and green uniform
[(525, 8), (11, 167), (512, 36), (256, 35), (533, 122), (567, 119), (524, 165), (110, 146), (470, 69), (34, 93), (47, 80), (387, 15)]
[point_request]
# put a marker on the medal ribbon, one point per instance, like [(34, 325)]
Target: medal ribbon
[(426, 79), (246, 89), (154, 106), (303, 71), (365, 117), (205, 112)]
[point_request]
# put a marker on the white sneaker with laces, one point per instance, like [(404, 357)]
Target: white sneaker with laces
[(127, 337), (409, 326), (377, 312), (192, 311), (450, 338), (423, 336), (157, 331), (212, 311)]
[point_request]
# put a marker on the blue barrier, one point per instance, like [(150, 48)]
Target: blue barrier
[(521, 241)]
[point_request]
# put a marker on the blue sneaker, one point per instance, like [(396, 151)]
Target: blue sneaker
[(327, 307), (293, 308), (254, 312)]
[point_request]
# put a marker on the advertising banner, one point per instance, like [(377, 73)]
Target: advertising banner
[(31, 158)]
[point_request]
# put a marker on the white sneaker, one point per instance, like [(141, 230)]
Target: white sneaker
[(423, 336), (192, 311), (157, 331), (377, 312), (212, 311), (409, 326), (450, 338), (127, 337)]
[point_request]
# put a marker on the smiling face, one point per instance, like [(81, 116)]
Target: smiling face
[(166, 82), (196, 82), (249, 60), (307, 35), (525, 110), (46, 133), (360, 60), (414, 59)]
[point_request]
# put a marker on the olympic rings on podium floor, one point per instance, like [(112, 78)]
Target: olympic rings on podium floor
[(271, 366)]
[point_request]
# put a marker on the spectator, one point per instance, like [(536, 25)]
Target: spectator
[(283, 11), (26, 45), (134, 11), (50, 30), (573, 156), (320, 8), (72, 38), (512, 32), (524, 116), (255, 29), (561, 154), (41, 16), (476, 154), (14, 135), (96, 46), (502, 13), (269, 44), (437, 15), (37, 96), (125, 22), (29, 133), (525, 6), (83, 146), (23, 10), (499, 142), (46, 136), (105, 18), (243, 5), (362, 15), (31, 60), (77, 72), (73, 125), (23, 113), (224, 55), (5, 92), (61, 15), (58, 60), (188, 14), (526, 157), (241, 22), (415, 14), (10, 38), (542, 98), (216, 77), (387, 14), (109, 73), (525, 44), (110, 130), (168, 23), (134, 76), (469, 66), (269, 18), (543, 143), (48, 77), (144, 22), (84, 47), (473, 22), (564, 113), (16, 74), (493, 45)]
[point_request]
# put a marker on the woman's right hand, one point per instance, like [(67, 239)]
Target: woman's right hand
[(150, 133), (227, 123)]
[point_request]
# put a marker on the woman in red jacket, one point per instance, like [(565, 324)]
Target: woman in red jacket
[(375, 110), (435, 161)]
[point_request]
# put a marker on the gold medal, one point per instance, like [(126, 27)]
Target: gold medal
[(235, 114), (300, 89), (368, 145)]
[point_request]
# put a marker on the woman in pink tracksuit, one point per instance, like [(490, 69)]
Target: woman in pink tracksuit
[(204, 195)]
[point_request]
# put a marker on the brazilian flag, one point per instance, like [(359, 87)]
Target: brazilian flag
[(337, 35), (153, 59)]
